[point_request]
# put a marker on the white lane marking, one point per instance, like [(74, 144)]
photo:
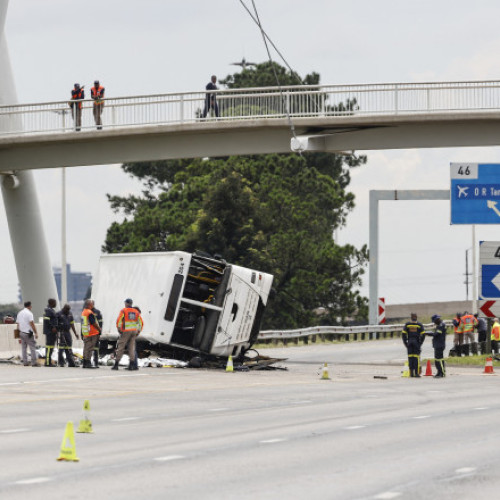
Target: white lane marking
[(301, 402), (387, 495), (218, 409), (482, 408), (168, 458), (34, 480), (465, 470), (354, 427), (12, 431), (421, 416), (12, 383), (125, 419), (269, 441)]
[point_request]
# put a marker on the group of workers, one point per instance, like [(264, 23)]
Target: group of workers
[(58, 326), (77, 97), (97, 95), (414, 334)]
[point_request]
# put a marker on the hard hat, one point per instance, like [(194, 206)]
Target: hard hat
[(77, 84), (435, 317), (129, 301), (96, 81)]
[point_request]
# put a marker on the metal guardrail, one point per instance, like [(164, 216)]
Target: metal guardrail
[(345, 332), (259, 103)]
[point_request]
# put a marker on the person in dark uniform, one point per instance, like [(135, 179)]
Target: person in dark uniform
[(98, 317), (66, 323), (413, 335), (50, 330), (439, 344), (77, 94), (210, 99)]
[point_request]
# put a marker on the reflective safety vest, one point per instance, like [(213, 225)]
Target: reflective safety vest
[(97, 93), (89, 329), (468, 322), (458, 327), (129, 320), (77, 94), (495, 331)]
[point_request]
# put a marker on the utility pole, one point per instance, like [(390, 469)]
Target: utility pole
[(467, 274)]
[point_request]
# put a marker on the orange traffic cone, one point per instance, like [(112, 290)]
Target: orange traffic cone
[(488, 367), (428, 370)]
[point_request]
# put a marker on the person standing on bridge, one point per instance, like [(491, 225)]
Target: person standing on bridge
[(50, 330), (439, 345), (97, 94), (27, 333), (90, 333), (413, 335), (77, 94), (210, 98), (129, 325)]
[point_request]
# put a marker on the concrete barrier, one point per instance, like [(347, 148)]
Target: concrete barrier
[(9, 346)]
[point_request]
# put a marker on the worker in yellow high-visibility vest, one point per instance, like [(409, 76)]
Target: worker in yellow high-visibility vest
[(495, 335)]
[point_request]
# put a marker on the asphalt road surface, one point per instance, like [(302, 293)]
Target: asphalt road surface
[(187, 434)]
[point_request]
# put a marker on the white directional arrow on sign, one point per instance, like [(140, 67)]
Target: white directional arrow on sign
[(493, 206), (496, 281)]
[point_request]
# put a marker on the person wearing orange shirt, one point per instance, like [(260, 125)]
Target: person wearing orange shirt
[(90, 333), (129, 324)]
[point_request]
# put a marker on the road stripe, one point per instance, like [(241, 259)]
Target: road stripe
[(481, 408), (387, 495), (270, 441), (167, 458), (125, 419), (12, 431), (354, 427), (34, 480), (421, 416), (218, 409)]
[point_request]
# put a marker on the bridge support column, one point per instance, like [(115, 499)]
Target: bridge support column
[(31, 255)]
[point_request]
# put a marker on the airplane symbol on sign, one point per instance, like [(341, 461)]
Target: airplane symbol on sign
[(462, 191)]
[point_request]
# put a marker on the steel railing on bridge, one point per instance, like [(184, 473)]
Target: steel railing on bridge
[(259, 103)]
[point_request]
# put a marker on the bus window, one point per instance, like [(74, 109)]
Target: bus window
[(173, 300)]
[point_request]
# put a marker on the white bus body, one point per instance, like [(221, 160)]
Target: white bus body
[(187, 301)]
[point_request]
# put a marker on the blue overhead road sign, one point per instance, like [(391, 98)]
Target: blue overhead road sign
[(475, 193)]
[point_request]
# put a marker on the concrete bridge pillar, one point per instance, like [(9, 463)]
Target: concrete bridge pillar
[(20, 198)]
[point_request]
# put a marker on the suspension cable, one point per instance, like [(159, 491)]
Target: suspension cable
[(265, 38)]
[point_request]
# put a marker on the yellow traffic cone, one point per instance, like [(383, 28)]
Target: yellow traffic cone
[(85, 425), (68, 450), (406, 371), (324, 374), (229, 366)]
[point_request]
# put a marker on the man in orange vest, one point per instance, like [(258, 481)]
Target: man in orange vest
[(467, 323), (77, 94), (97, 94), (90, 333), (495, 335), (129, 324), (458, 338)]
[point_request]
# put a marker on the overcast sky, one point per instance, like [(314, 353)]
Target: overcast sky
[(159, 46)]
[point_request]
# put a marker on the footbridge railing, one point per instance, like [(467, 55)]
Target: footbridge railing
[(267, 103)]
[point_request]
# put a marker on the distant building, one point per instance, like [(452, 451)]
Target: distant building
[(77, 283)]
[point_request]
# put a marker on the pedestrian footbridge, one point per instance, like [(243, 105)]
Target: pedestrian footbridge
[(253, 121)]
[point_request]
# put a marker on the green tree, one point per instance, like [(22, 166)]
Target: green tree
[(275, 213)]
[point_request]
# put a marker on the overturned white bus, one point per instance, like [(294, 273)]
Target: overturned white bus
[(189, 302)]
